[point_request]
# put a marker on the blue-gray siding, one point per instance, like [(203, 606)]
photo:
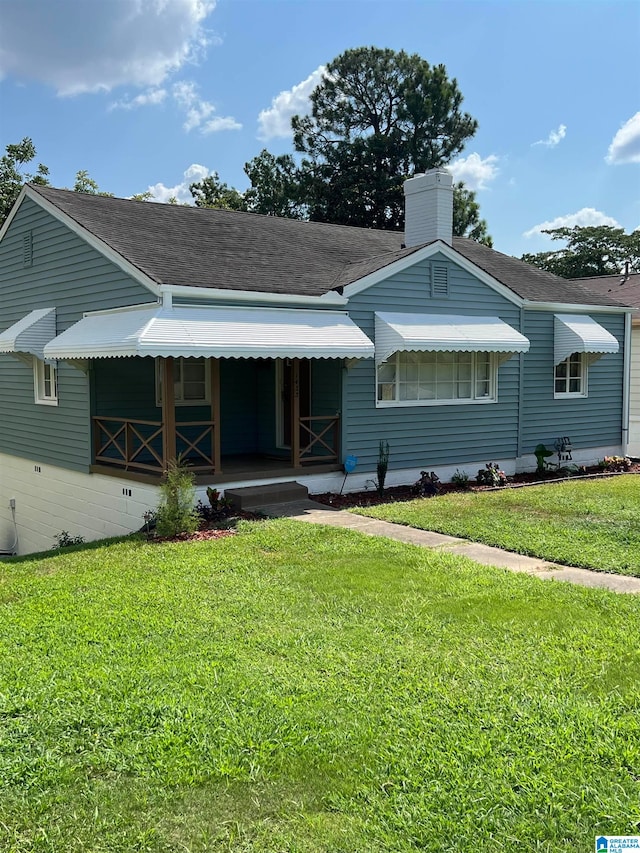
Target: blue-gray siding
[(426, 436), (71, 276), (592, 421)]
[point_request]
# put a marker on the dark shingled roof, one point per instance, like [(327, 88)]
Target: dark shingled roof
[(625, 289), (527, 281), (201, 247)]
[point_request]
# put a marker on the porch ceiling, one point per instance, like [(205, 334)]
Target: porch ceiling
[(197, 331)]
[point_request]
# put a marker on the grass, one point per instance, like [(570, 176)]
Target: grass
[(298, 688), (589, 523)]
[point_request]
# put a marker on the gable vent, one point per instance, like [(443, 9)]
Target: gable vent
[(439, 280), (27, 249)]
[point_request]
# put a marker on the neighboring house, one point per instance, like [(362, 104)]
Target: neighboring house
[(264, 349), (625, 288)]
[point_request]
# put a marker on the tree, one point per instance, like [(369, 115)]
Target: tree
[(212, 192), (87, 185), (12, 179), (275, 186), (376, 117), (591, 250), (466, 216)]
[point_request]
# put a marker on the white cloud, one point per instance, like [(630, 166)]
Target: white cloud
[(198, 112), (625, 147), (555, 136), (151, 97), (192, 175), (586, 216), (276, 121), (475, 172), (80, 46)]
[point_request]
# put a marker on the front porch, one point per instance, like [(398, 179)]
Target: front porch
[(265, 418)]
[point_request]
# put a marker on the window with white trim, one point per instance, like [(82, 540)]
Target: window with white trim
[(191, 381), (45, 383), (570, 377), (437, 378)]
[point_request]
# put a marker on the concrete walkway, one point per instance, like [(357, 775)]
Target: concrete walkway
[(315, 513)]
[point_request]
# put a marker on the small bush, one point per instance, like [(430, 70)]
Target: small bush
[(217, 508), (176, 512), (428, 485), (383, 464), (491, 475), (64, 540), (615, 463), (460, 479)]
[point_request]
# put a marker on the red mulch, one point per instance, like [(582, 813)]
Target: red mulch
[(210, 529)]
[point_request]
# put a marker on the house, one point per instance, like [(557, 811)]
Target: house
[(625, 287), (268, 350)]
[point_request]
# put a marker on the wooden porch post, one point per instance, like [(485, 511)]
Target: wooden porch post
[(168, 413), (215, 414), (295, 412)]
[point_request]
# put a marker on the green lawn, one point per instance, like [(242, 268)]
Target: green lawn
[(298, 688), (590, 523)]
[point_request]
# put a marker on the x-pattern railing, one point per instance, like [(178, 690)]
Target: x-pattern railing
[(319, 438), (137, 444)]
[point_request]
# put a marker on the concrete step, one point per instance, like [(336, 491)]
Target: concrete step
[(249, 497)]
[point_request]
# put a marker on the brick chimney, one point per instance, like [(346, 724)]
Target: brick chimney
[(428, 201)]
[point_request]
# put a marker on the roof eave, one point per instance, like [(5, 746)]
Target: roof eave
[(331, 299), (580, 307)]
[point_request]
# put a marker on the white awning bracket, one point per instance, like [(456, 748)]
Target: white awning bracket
[(581, 333), (445, 333)]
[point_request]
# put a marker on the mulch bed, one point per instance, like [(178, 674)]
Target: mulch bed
[(226, 526), (218, 529), (408, 493)]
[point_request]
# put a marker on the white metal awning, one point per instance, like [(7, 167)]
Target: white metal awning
[(581, 333), (196, 331), (30, 334), (445, 333)]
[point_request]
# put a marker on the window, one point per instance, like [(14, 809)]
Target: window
[(571, 376), (434, 378), (45, 381), (190, 381)]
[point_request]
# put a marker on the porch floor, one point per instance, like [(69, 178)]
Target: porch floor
[(248, 467), (255, 467)]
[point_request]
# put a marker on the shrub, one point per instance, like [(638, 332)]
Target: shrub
[(383, 464), (615, 463), (491, 475), (460, 479), (217, 508), (428, 485), (64, 540), (176, 512)]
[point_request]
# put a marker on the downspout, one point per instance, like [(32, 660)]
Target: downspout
[(12, 550), (520, 391), (626, 382)]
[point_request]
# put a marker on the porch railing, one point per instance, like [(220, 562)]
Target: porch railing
[(319, 439), (137, 445)]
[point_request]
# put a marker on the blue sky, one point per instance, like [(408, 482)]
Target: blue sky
[(152, 94)]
